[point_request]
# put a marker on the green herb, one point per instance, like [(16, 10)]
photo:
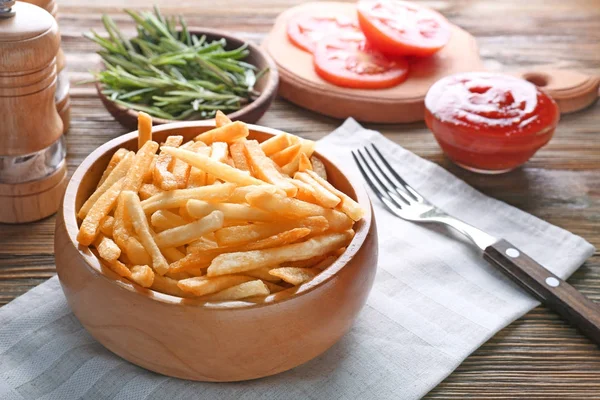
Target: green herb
[(168, 72)]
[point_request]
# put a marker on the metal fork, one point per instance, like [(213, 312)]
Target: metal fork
[(404, 201)]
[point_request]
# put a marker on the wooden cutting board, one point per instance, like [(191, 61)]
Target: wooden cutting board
[(300, 84)]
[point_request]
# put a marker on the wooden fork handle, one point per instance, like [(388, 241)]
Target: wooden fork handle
[(555, 293)]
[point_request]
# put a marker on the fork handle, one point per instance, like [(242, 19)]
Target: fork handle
[(555, 293)]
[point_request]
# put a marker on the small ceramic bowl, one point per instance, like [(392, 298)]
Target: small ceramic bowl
[(266, 85), (228, 341)]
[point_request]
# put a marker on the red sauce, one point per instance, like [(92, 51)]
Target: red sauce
[(489, 122)]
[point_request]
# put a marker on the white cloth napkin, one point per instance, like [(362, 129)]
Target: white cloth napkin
[(435, 300)]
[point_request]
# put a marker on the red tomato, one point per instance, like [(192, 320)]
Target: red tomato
[(354, 64), (489, 122), (403, 28), (306, 30)]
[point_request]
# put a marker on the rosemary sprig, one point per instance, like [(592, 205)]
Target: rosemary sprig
[(171, 73)]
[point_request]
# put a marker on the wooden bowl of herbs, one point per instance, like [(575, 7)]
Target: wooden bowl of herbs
[(176, 73)]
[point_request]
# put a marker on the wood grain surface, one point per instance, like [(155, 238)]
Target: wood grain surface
[(536, 357)]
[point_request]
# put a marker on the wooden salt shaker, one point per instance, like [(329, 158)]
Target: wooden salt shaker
[(63, 102), (33, 173)]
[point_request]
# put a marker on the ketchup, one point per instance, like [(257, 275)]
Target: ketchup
[(489, 122)]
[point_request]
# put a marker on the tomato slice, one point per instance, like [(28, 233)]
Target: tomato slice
[(403, 28), (305, 31), (355, 64)]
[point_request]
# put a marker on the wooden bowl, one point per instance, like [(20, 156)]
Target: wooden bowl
[(252, 112), (228, 341)]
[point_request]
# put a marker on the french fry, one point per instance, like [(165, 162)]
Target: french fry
[(305, 191), (304, 163), (165, 219), (120, 171), (144, 129), (184, 214), (350, 207), (308, 147), (287, 155), (311, 262), (241, 291), (141, 227), (238, 156), (239, 262), (226, 133), (168, 285), (201, 244), (178, 276), (188, 233), (265, 169), (295, 276), (199, 209), (279, 239), (263, 274), (141, 164), (219, 170), (181, 172), (114, 161), (294, 208), (148, 173), (162, 176), (323, 196), (107, 249), (273, 287), (219, 152), (318, 167), (235, 235), (119, 268), (221, 119), (197, 176), (172, 254), (201, 286), (106, 225), (91, 224), (142, 275), (148, 190), (179, 198), (325, 263), (239, 193), (275, 144)]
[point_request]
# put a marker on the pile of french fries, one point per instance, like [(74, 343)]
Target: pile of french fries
[(220, 217)]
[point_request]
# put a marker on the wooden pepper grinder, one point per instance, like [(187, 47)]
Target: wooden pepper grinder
[(63, 102), (33, 173)]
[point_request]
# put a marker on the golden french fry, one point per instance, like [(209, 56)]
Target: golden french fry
[(168, 285), (178, 275), (311, 262), (118, 172), (141, 227), (136, 252), (273, 287), (350, 207), (144, 129), (294, 208), (241, 291), (235, 235), (275, 144), (178, 198), (265, 169), (318, 167), (325, 263), (321, 194), (238, 156), (226, 133), (219, 152), (199, 209), (304, 163), (201, 286), (287, 155), (172, 254), (295, 276), (141, 164), (308, 147), (106, 225), (239, 193), (91, 224), (218, 169), (239, 262), (221, 119), (119, 268), (197, 176), (188, 233), (181, 172), (279, 239), (184, 214), (262, 273), (162, 176), (107, 249), (114, 161), (148, 173), (201, 244), (148, 190), (305, 191), (165, 219), (142, 275)]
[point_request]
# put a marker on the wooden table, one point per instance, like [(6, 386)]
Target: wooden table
[(538, 356)]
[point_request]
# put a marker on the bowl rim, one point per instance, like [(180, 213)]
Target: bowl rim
[(92, 262), (265, 96)]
